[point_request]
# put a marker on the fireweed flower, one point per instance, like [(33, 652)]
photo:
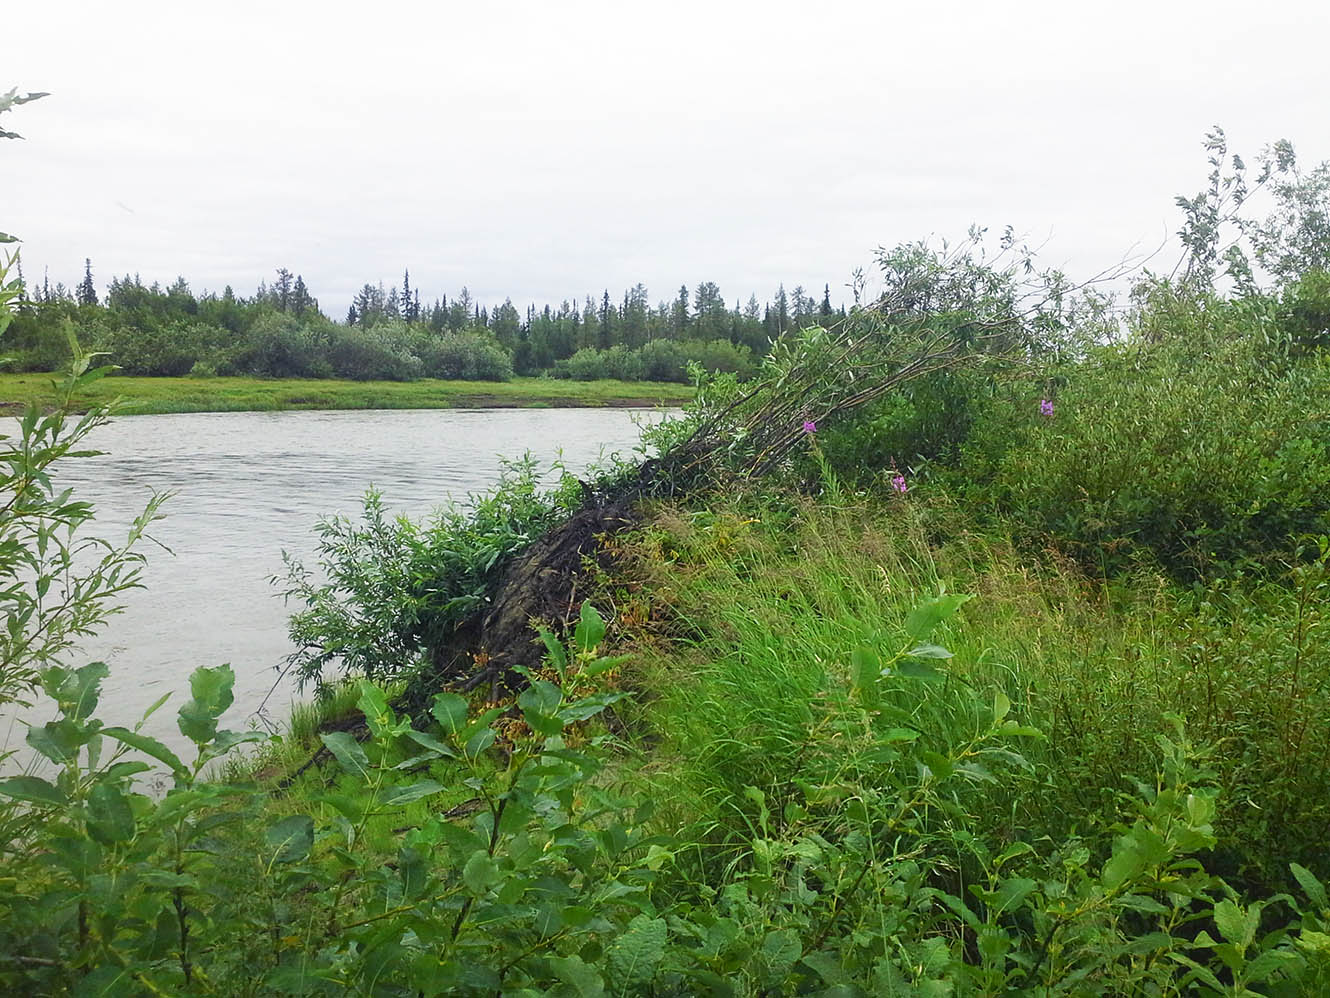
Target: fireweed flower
[(1045, 407), (810, 426)]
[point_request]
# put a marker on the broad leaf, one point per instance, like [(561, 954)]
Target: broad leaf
[(291, 838), (109, 816), (148, 746), (634, 955), (33, 789), (928, 614), (348, 752)]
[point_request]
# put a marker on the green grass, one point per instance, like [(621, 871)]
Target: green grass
[(144, 396), (765, 606)]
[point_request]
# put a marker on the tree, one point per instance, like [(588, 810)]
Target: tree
[(406, 297), (679, 317), (86, 293), (281, 290), (301, 300)]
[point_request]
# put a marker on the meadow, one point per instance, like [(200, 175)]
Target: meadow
[(143, 395)]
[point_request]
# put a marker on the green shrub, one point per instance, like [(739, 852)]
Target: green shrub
[(382, 353), (468, 354), (1202, 442), (389, 592)]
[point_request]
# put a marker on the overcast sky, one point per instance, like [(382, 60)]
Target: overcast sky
[(547, 150)]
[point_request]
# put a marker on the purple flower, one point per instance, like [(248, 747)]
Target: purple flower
[(898, 483), (810, 426), (1045, 407)]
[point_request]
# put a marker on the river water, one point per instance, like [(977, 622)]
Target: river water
[(248, 485)]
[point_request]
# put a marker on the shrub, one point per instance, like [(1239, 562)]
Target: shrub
[(663, 360), (718, 356), (467, 354), (281, 346), (382, 353), (388, 592)]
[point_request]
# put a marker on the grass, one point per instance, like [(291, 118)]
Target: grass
[(145, 396), (763, 607)]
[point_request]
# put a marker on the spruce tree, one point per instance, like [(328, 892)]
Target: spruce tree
[(87, 291)]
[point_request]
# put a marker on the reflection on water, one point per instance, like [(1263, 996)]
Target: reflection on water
[(248, 485)]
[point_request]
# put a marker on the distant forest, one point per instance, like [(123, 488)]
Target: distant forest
[(391, 334)]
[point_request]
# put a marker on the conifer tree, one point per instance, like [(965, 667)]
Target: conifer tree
[(87, 291)]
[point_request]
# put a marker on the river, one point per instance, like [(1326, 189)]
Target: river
[(246, 486)]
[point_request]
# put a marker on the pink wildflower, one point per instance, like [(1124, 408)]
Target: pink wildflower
[(898, 483), (1045, 407), (810, 426)]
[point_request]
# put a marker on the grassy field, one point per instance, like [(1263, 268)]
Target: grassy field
[(143, 396)]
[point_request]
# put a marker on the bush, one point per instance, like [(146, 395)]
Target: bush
[(1200, 446), (389, 592), (719, 356), (663, 360), (468, 355), (382, 353), (281, 346)]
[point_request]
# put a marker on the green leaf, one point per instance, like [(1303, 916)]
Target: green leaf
[(909, 669), (898, 735), (781, 949), (1238, 926), (450, 711), (348, 752), (928, 651), (59, 740), (590, 630), (33, 789), (148, 746), (633, 957), (578, 975), (1001, 706), (596, 666), (433, 744), (480, 872), (374, 705), (865, 669), (77, 691), (540, 703), (558, 657), (928, 614), (211, 688), (109, 816), (1313, 888), (212, 694), (478, 743), (291, 838), (396, 796)]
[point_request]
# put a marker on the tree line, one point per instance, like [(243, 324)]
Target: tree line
[(393, 334)]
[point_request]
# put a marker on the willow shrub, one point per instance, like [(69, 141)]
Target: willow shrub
[(1201, 443)]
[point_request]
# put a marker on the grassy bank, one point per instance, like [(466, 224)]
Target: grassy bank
[(144, 396)]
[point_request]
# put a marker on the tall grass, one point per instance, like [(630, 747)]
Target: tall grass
[(765, 607)]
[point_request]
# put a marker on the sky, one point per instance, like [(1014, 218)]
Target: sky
[(543, 151)]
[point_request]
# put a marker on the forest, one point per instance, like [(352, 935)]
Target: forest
[(280, 332)]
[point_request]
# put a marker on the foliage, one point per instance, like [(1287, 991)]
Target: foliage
[(1202, 442), (388, 592), (551, 881), (57, 583)]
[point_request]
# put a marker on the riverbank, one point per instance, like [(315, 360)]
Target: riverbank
[(142, 396)]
